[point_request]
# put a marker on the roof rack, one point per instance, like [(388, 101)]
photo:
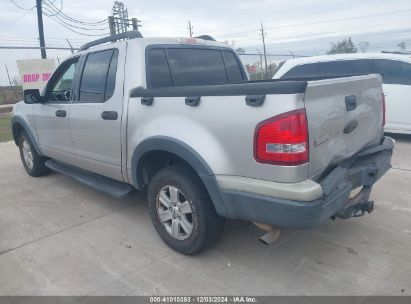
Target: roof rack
[(113, 38), (205, 37)]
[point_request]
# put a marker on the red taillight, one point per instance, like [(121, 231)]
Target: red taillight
[(282, 140), (383, 110)]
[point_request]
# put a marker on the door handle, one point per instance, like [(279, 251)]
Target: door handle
[(147, 101), (109, 115), (61, 113), (254, 100), (351, 103), (193, 101)]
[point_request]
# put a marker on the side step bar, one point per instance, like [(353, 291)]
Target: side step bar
[(98, 182)]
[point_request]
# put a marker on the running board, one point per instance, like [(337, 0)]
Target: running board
[(98, 182)]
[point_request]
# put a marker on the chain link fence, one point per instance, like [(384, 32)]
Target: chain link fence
[(10, 82), (255, 64)]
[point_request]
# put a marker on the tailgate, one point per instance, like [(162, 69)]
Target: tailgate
[(344, 116)]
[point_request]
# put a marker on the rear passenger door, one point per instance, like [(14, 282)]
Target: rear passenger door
[(96, 113)]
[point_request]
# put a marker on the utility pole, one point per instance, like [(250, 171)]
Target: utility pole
[(120, 14), (112, 25), (71, 47), (261, 64), (265, 53), (190, 28), (135, 23), (41, 29)]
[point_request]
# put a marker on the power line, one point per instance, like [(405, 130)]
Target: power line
[(59, 12), (321, 22), (20, 7), (74, 31), (306, 34), (71, 25), (288, 17)]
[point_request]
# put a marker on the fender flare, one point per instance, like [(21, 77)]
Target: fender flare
[(27, 129), (185, 152)]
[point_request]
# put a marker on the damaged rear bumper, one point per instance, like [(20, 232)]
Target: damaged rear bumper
[(362, 170)]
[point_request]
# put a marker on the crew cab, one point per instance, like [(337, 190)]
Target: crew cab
[(179, 119)]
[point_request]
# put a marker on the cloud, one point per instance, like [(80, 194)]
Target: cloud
[(286, 22)]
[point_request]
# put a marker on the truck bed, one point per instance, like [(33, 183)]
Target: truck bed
[(222, 125)]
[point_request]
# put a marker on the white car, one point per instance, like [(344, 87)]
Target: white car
[(394, 68)]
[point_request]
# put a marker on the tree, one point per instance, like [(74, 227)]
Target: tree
[(240, 51), (342, 47), (402, 46), (363, 46)]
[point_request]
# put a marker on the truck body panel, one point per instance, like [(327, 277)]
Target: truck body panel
[(213, 127)]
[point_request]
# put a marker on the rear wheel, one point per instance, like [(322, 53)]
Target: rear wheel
[(33, 163), (182, 211)]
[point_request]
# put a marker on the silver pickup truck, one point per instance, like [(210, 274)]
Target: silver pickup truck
[(179, 119)]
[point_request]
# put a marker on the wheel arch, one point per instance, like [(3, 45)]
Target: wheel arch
[(164, 148), (18, 124)]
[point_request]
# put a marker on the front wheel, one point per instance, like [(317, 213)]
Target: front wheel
[(182, 211), (32, 161)]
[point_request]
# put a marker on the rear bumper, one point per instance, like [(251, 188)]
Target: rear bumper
[(365, 169)]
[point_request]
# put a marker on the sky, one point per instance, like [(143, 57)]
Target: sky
[(302, 27)]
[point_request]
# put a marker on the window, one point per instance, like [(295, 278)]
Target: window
[(394, 72), (233, 69), (302, 71), (62, 88), (111, 77), (99, 76), (192, 66), (196, 67), (159, 72), (345, 68)]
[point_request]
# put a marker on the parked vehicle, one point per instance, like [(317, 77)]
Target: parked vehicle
[(395, 70), (178, 118)]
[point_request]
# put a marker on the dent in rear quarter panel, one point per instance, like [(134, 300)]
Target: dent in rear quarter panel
[(327, 116), (221, 130)]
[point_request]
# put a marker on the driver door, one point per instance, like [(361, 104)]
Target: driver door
[(51, 116)]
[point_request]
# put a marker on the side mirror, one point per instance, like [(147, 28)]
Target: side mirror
[(32, 96)]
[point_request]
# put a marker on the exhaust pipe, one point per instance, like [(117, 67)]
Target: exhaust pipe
[(271, 236)]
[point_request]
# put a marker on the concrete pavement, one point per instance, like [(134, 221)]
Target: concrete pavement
[(58, 237)]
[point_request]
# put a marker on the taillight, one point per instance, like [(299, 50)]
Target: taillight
[(282, 140), (383, 109)]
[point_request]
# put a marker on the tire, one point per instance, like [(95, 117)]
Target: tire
[(32, 161), (206, 224)]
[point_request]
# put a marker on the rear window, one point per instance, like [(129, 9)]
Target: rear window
[(301, 71), (158, 69), (332, 69), (233, 69), (192, 66), (345, 68), (394, 72)]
